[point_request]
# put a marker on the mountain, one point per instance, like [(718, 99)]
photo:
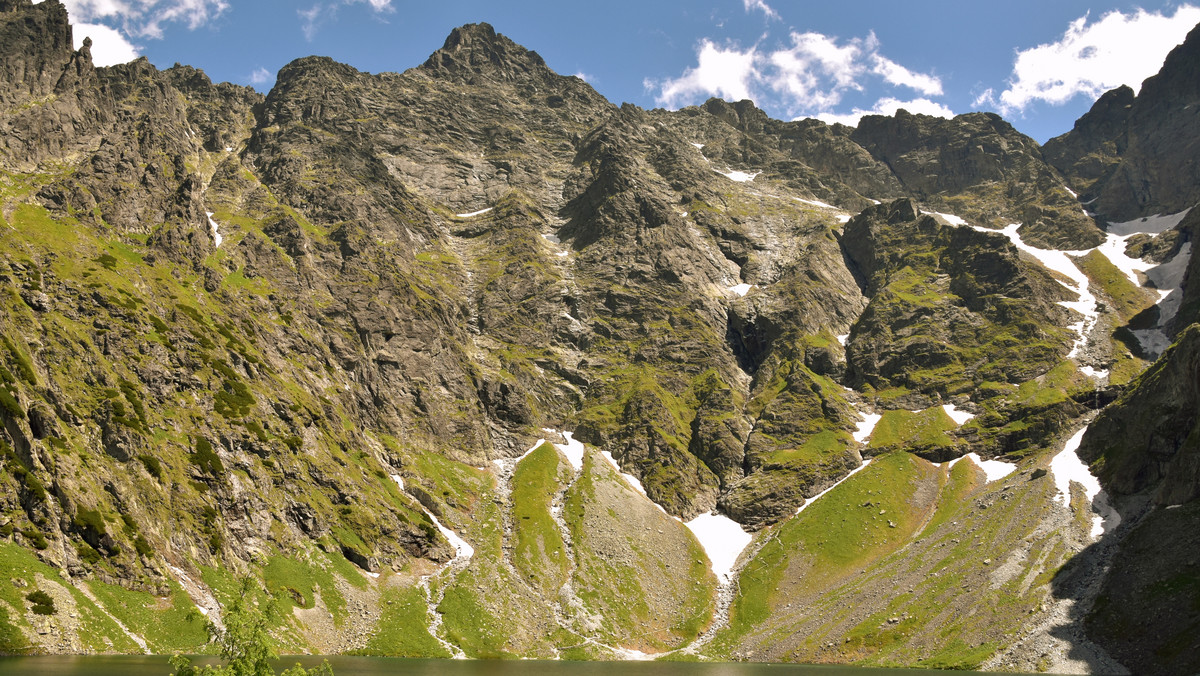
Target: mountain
[(467, 360)]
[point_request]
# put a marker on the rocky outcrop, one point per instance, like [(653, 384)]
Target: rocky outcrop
[(978, 167), (1146, 441), (1132, 156)]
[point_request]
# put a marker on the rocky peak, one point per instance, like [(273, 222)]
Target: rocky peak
[(743, 115), (1089, 151), (1133, 156), (477, 49), (35, 46)]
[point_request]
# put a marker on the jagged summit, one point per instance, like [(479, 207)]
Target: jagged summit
[(477, 49)]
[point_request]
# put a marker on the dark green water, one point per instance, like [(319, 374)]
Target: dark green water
[(373, 666)]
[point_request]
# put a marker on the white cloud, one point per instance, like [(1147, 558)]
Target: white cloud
[(814, 72), (985, 99), (896, 74), (109, 47), (1092, 58), (260, 76), (809, 76), (586, 77), (889, 106), (312, 18), (727, 73), (377, 5), (762, 6), (146, 18)]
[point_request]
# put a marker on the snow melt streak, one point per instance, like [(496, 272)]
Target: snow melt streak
[(217, 238), (1067, 467)]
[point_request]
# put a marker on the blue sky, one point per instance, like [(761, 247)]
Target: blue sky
[(1040, 63)]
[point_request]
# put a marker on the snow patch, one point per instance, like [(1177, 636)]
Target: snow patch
[(217, 238), (1097, 374), (1060, 261), (994, 470), (1113, 249), (866, 426), (722, 539), (629, 478), (228, 149), (553, 239), (843, 338), (740, 289), (399, 481), (739, 176), (572, 449), (474, 213), (698, 145), (815, 203), (843, 218), (1151, 225), (951, 218), (959, 417), (814, 498), (1067, 467), (462, 548)]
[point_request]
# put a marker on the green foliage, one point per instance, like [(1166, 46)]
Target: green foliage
[(233, 400), (22, 473), (246, 645), (206, 459), (12, 639), (42, 602), (24, 365), (91, 520), (167, 624), (87, 553), (107, 260), (35, 538), (10, 404), (135, 400), (152, 465)]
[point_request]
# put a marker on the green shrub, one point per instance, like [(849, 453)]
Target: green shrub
[(152, 465), (143, 548), (90, 519), (9, 403), (190, 312), (35, 538), (246, 644), (256, 429), (234, 400), (131, 395), (24, 365), (206, 459), (42, 602), (107, 260), (87, 553)]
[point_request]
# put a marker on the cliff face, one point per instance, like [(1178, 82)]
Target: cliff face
[(316, 336), (1131, 156)]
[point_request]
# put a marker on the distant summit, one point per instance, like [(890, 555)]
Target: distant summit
[(477, 49)]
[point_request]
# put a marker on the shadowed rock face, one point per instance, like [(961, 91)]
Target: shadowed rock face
[(1132, 156), (419, 271), (1147, 440)]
